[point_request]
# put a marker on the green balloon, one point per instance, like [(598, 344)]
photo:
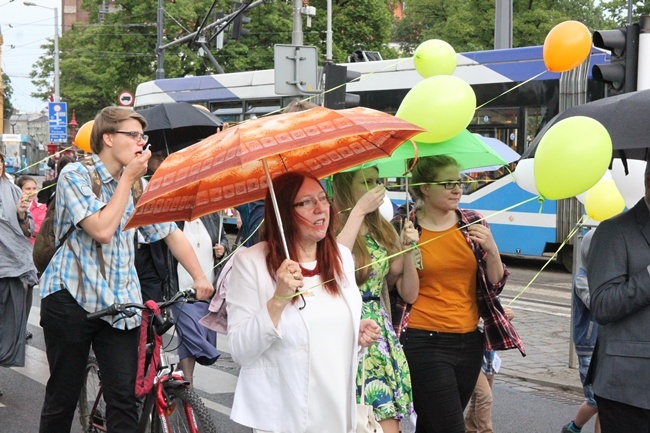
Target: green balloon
[(434, 57), (572, 157), (443, 105)]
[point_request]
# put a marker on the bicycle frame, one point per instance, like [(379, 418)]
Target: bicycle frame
[(169, 392)]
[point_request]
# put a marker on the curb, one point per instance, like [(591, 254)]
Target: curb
[(540, 381)]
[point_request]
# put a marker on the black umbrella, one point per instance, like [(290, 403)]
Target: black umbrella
[(624, 116), (176, 125)]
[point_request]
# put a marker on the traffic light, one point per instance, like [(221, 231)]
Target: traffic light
[(238, 23), (336, 78), (623, 43)]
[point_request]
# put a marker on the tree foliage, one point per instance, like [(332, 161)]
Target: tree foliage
[(7, 92), (468, 25), (105, 57), (116, 52), (616, 11)]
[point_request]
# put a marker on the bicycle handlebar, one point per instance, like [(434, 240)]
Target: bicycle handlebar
[(127, 308)]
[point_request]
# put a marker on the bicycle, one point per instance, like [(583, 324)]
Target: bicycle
[(170, 405)]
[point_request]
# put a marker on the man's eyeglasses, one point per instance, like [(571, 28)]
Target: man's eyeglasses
[(310, 203), (449, 184), (135, 135)]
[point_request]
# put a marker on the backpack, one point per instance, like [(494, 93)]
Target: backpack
[(45, 245)]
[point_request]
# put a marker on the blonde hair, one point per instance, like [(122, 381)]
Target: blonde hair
[(381, 230), (107, 121)]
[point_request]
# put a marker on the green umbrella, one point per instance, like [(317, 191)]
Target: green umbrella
[(466, 148)]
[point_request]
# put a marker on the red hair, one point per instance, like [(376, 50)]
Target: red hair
[(286, 188)]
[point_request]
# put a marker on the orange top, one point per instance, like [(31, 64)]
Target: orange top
[(447, 300)]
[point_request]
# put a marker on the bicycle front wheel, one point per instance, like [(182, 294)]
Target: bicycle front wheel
[(92, 407), (185, 413)]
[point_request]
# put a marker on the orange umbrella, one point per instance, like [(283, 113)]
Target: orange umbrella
[(228, 168)]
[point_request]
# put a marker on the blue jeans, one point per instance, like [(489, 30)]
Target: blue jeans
[(583, 368), (444, 370), (68, 337)]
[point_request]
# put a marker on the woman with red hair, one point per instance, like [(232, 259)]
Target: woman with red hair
[(294, 323)]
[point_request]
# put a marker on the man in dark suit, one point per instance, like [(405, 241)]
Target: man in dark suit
[(619, 281)]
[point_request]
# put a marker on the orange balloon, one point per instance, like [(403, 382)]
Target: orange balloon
[(566, 46), (82, 140)]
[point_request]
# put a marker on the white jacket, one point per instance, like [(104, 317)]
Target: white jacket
[(273, 383)]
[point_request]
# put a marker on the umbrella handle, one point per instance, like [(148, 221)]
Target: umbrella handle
[(275, 207), (220, 227)]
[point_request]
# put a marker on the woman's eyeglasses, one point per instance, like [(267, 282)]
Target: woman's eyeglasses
[(449, 184), (310, 203), (136, 135)]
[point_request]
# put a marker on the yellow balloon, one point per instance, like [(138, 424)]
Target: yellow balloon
[(443, 105), (82, 139), (434, 57), (571, 157), (604, 201)]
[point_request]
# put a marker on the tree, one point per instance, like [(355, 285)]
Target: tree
[(99, 60), (468, 25), (616, 11), (7, 91)]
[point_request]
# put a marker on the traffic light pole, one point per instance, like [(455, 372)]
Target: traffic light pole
[(328, 33), (643, 74), (296, 35)]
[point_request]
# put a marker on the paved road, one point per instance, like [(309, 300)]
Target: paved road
[(539, 392)]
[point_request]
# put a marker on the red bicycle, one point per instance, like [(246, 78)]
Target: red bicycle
[(169, 405)]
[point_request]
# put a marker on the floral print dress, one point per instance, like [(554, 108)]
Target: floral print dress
[(387, 376)]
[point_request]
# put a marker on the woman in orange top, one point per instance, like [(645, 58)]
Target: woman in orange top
[(443, 343)]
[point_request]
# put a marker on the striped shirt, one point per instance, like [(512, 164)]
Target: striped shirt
[(76, 201)]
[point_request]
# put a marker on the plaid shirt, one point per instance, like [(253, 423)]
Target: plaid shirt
[(499, 332), (77, 258)]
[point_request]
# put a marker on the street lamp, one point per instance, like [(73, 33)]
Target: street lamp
[(56, 47)]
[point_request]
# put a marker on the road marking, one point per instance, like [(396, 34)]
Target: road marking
[(36, 366), (216, 407), (211, 380)]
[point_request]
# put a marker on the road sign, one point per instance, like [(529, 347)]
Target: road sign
[(58, 120), (125, 98), (296, 69)]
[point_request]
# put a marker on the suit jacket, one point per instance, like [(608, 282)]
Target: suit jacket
[(273, 384), (619, 283)]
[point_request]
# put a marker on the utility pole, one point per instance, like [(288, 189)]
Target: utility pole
[(160, 51), (503, 24), (296, 35)]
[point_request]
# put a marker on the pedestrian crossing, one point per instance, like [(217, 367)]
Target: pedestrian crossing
[(208, 379)]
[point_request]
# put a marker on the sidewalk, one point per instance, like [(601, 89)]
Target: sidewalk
[(546, 338)]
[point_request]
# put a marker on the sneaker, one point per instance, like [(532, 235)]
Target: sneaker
[(570, 428)]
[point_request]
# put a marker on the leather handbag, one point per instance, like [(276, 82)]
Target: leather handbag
[(366, 421)]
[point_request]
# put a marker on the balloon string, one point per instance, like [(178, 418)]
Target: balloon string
[(575, 229), (44, 159), (510, 90), (411, 248)]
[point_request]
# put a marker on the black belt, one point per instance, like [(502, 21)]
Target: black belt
[(371, 298)]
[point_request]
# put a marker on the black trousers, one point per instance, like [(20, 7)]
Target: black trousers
[(616, 417), (68, 337), (444, 370)]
